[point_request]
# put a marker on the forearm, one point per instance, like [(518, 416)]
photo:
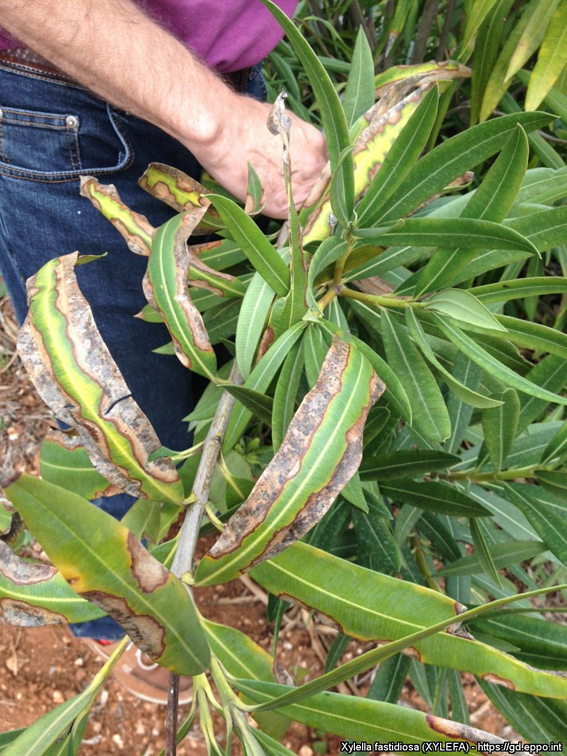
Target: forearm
[(112, 48)]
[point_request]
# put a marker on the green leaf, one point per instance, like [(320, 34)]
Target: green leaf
[(257, 403), (491, 202), (359, 91), (462, 305), (546, 517), (259, 380), (357, 718), (538, 720), (556, 450), (551, 60), (166, 290), (467, 233), (498, 82), (532, 36), (483, 553), (314, 351), (75, 374), (411, 463), (502, 554), (433, 496), (286, 393), (398, 161), (106, 564), (342, 188), (493, 366), (535, 336), (476, 15), (555, 481), (499, 425), (389, 679), (255, 195), (332, 113), (347, 594), (395, 391), (460, 153), (504, 291), (540, 643), (328, 252), (429, 412), (326, 435), (377, 548), (465, 393), (221, 322), (64, 461), (485, 54), (253, 313), (263, 256)]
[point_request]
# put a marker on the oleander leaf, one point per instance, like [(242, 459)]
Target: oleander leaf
[(467, 233), (552, 58), (257, 403), (540, 643), (181, 192), (460, 153), (532, 36), (327, 253), (326, 436), (504, 291), (370, 606), (105, 563), (286, 393), (255, 194), (359, 91), (429, 413), (503, 555), (135, 229), (556, 450), (433, 496), (76, 376), (500, 371), (34, 594), (263, 256), (500, 425), (555, 481), (259, 380), (483, 553), (398, 161), (463, 392), (382, 126), (362, 719), (462, 305), (544, 515), (251, 321), (63, 460), (166, 289), (401, 463)]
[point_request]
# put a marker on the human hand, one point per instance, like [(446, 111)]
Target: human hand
[(244, 138)]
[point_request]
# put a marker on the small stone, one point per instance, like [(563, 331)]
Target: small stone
[(287, 646), (78, 662), (305, 751), (118, 740), (140, 729), (58, 697)]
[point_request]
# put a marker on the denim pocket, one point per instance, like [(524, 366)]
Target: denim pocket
[(46, 147)]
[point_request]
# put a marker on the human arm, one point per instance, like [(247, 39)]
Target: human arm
[(114, 49)]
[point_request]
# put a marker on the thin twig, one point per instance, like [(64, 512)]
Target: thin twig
[(189, 535), (360, 21), (442, 47), (423, 31)]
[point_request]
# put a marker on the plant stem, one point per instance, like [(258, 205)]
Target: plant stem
[(512, 474), (327, 297), (376, 300), (189, 534), (171, 715)]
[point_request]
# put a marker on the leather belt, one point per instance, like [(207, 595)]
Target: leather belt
[(24, 58)]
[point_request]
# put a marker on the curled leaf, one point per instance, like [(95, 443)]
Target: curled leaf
[(320, 453), (166, 289), (135, 228), (75, 374)]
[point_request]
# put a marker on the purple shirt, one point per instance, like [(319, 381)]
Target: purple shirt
[(228, 34)]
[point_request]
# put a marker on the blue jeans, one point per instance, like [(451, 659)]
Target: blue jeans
[(52, 132)]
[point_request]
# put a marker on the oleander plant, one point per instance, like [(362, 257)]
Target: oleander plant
[(386, 444)]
